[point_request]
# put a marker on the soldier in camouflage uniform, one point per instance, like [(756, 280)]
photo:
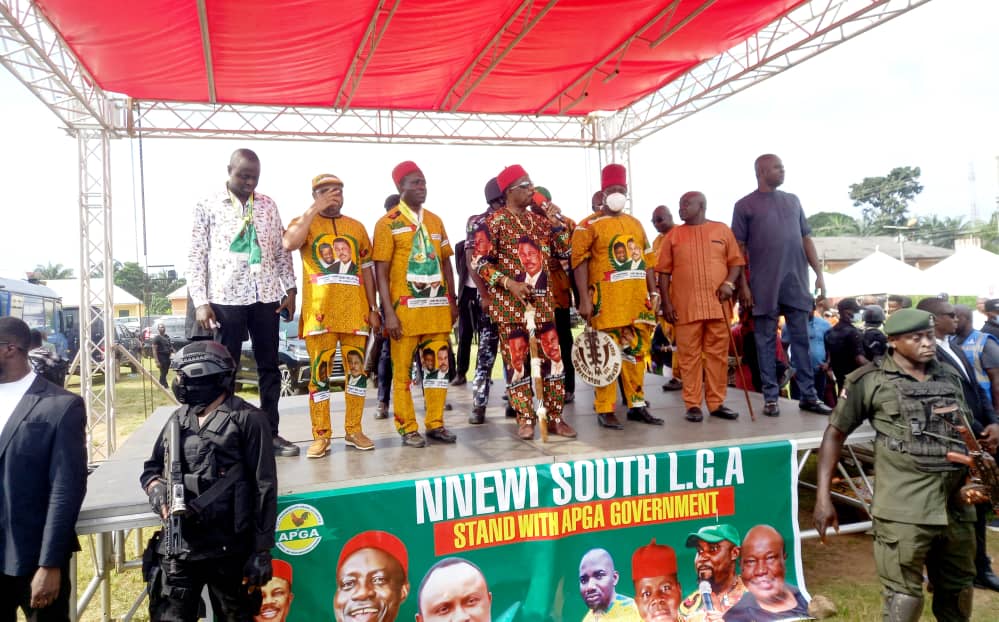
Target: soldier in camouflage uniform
[(920, 516)]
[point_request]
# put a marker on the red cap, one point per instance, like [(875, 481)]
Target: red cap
[(613, 175), (381, 540), (653, 560), (402, 169), (509, 175), (282, 570)]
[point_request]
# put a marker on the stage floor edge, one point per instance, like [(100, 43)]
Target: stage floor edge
[(115, 501)]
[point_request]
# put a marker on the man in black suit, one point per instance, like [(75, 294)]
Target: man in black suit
[(43, 475), (986, 424)]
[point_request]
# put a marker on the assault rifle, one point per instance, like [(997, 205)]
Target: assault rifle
[(175, 488), (983, 483)]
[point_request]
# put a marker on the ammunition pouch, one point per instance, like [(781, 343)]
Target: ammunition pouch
[(925, 426)]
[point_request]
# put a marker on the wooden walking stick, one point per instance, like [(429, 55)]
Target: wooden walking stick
[(727, 308)]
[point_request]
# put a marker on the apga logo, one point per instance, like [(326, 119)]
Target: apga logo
[(298, 529)]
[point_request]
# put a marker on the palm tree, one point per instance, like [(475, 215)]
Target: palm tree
[(53, 271), (828, 224)]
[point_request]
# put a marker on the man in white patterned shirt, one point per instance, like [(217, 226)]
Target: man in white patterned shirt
[(240, 277)]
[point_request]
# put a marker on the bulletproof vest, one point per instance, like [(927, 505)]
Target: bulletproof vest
[(924, 427)]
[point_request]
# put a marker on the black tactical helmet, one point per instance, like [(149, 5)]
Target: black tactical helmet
[(204, 371), (874, 314), (202, 358)]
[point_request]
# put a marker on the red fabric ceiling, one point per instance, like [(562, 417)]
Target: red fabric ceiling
[(298, 52)]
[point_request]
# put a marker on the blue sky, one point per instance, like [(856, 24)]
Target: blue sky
[(919, 91)]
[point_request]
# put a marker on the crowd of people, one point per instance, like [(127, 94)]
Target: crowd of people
[(523, 265)]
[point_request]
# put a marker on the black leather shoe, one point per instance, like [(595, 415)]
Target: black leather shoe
[(441, 434), (987, 580), (673, 385), (510, 412), (478, 415), (609, 420), (815, 406), (458, 381), (771, 409), (724, 412), (694, 414), (642, 414), (285, 448)]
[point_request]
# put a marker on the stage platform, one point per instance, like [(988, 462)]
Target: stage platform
[(114, 500)]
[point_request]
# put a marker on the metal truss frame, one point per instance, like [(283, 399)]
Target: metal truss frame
[(796, 36), (97, 357), (37, 56), (159, 119)]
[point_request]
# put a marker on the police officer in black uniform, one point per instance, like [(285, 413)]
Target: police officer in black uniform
[(874, 339), (230, 492)]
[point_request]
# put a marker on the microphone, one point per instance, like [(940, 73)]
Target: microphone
[(705, 589)]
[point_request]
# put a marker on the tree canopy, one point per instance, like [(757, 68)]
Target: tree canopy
[(52, 271), (884, 201), (829, 224), (152, 290)]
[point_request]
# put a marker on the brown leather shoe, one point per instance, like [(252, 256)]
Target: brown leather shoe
[(561, 428), (525, 429)]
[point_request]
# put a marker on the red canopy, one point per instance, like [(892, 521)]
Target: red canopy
[(489, 56)]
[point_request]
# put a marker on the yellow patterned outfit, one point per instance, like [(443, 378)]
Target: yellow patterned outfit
[(422, 305), (617, 253), (334, 312)]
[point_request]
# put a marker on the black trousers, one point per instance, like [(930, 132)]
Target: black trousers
[(175, 590), (15, 593), (261, 322), (164, 365), (563, 327), (468, 314), (384, 372)]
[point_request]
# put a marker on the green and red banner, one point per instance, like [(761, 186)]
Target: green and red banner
[(552, 541)]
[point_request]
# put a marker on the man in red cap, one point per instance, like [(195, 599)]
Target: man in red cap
[(277, 594), (372, 578), (338, 306), (412, 257), (511, 228), (616, 295), (657, 589)]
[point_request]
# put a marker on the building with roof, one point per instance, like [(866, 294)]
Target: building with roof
[(838, 252), (178, 301), (125, 304)]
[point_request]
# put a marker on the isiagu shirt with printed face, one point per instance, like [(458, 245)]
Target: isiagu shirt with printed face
[(416, 284), (334, 255)]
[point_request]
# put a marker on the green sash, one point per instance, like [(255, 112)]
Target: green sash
[(246, 244), (423, 266)]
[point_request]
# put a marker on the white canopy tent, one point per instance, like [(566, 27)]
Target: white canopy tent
[(879, 273), (970, 271)]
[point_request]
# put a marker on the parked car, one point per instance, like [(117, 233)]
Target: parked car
[(174, 324), (128, 340), (293, 362)]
